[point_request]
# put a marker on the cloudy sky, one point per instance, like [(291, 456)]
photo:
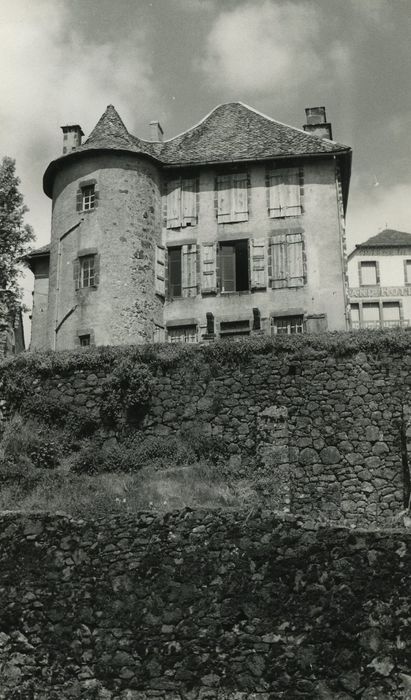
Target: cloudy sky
[(63, 61)]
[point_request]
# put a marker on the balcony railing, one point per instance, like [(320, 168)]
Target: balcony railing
[(355, 325)]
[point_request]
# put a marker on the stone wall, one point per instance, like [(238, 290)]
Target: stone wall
[(202, 605), (320, 433)]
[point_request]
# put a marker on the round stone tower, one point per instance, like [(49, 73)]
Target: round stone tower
[(106, 224)]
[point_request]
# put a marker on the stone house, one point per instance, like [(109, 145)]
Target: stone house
[(234, 227), (379, 272)]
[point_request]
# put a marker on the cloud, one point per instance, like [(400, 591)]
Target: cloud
[(263, 46), (54, 74), (379, 207)]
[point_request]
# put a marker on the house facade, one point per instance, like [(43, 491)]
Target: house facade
[(379, 273), (234, 227)]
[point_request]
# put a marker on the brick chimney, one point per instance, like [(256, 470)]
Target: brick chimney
[(156, 132), (317, 122), (71, 137)]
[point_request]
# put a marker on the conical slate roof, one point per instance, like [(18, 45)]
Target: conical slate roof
[(109, 132)]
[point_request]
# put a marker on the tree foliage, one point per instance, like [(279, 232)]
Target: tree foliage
[(15, 235)]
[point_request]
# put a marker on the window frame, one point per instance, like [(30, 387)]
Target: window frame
[(187, 336), (236, 244), (277, 181), (287, 322), (370, 263), (281, 266)]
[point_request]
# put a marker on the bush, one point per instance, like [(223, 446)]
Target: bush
[(126, 391), (29, 442)]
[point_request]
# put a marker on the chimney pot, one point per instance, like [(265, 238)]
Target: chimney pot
[(72, 134), (317, 122), (156, 132)]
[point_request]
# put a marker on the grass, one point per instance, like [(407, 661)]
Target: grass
[(48, 469), (82, 495)]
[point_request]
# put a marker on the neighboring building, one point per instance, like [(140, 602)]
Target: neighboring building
[(379, 272), (11, 328), (233, 227)]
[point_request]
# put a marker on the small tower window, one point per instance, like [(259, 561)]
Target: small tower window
[(88, 196), (84, 340)]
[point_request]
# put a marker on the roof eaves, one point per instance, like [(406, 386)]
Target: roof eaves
[(286, 156)]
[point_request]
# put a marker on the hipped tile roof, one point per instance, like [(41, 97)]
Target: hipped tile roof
[(231, 132), (387, 238)]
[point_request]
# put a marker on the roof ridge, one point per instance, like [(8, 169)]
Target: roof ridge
[(198, 123), (289, 126)]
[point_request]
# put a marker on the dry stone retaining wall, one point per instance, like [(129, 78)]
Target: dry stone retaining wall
[(203, 604), (321, 434)]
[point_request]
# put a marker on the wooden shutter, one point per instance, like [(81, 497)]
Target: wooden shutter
[(188, 203), (96, 198), (96, 270), (174, 204), (227, 270), (76, 273), (292, 193), (258, 263), (279, 261), (208, 268), (160, 278), (189, 270), (240, 197), (295, 260), (276, 197), (224, 208), (79, 200)]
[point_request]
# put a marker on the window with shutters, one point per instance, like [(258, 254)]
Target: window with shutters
[(87, 196), (181, 203), (182, 271), (287, 260), (182, 334), (86, 271), (232, 198), (407, 271), (369, 273), (233, 266), (284, 198), (287, 325)]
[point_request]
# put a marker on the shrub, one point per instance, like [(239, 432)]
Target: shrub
[(28, 442), (126, 391)]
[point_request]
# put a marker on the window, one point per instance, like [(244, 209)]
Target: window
[(232, 198), (284, 193), (84, 340), (407, 271), (181, 203), (287, 260), (371, 315), (174, 272), (229, 329), (86, 272), (233, 269), (182, 271), (87, 196), (182, 334), (391, 313), (287, 325), (368, 273), (355, 316)]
